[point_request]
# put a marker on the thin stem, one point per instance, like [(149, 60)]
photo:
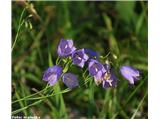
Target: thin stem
[(57, 60), (37, 102), (131, 95), (133, 116), (107, 55), (21, 103), (19, 27), (64, 91), (19, 110), (41, 98), (30, 95)]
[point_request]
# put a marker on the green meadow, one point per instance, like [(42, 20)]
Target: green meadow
[(117, 30)]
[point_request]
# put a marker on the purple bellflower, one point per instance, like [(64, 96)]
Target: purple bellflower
[(91, 53), (70, 80), (130, 73), (65, 48), (52, 74), (109, 80), (79, 57), (96, 69)]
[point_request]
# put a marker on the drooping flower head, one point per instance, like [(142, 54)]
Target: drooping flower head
[(65, 48), (52, 74), (130, 73), (79, 57), (96, 69), (70, 80)]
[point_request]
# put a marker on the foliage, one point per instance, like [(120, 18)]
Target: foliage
[(118, 28)]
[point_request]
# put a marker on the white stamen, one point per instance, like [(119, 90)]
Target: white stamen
[(66, 46), (79, 58), (110, 82), (97, 81)]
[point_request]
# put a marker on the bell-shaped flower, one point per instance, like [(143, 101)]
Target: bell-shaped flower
[(109, 80), (70, 80), (79, 57), (91, 53), (130, 73), (52, 74), (65, 48), (96, 69)]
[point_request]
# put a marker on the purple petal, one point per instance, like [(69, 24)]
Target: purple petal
[(65, 48), (109, 79), (52, 74), (79, 57), (85, 57), (99, 75), (130, 73), (91, 62), (52, 79), (91, 53), (105, 84), (81, 64), (95, 67), (70, 43), (70, 80), (97, 81)]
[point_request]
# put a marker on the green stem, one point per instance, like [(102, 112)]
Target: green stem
[(58, 60), (19, 27), (133, 116), (24, 108), (131, 95), (30, 95), (42, 98), (21, 103), (91, 99)]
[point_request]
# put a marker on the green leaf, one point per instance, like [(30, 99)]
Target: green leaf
[(125, 10)]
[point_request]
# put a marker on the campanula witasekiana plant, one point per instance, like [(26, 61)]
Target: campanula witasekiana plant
[(101, 73)]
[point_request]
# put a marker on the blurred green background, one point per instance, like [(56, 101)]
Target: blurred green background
[(120, 28)]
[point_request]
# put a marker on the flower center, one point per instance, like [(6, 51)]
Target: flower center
[(107, 76), (110, 82), (98, 81), (127, 72)]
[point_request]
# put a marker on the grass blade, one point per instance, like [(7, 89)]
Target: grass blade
[(141, 102)]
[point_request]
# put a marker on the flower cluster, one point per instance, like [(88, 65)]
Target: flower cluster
[(102, 73)]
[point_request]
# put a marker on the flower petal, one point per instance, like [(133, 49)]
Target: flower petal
[(70, 80), (52, 74), (130, 73)]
